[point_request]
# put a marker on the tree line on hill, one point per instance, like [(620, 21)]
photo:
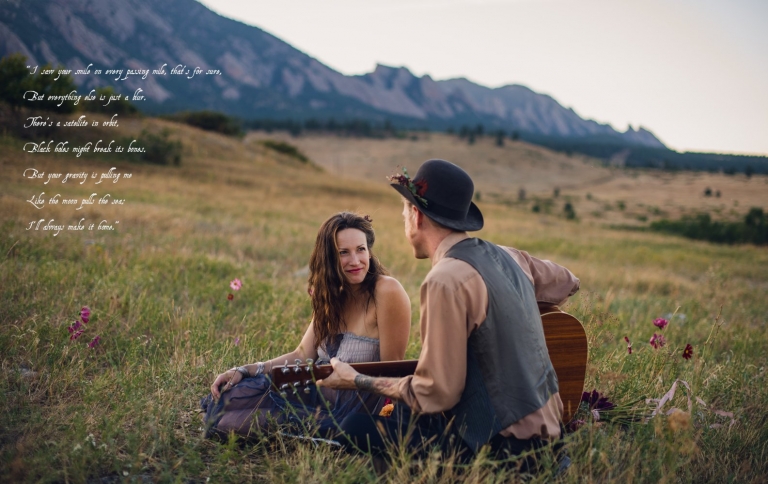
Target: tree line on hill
[(752, 229), (635, 156)]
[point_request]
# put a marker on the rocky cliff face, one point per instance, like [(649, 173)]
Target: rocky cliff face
[(262, 76)]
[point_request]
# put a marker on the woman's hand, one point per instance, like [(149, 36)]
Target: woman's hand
[(229, 379)]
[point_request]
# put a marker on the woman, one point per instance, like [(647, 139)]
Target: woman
[(359, 314)]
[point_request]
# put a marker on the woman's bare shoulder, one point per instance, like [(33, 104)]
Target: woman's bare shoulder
[(388, 286)]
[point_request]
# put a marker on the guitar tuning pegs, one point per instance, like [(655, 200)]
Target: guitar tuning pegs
[(298, 366), (310, 362), (283, 390), (295, 388), (306, 390), (285, 369), (308, 383)]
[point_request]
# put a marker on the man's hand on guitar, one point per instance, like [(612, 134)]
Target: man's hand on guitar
[(342, 378)]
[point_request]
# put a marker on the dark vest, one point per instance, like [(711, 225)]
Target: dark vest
[(509, 373)]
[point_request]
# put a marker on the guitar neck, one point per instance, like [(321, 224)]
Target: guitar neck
[(378, 368), (301, 373)]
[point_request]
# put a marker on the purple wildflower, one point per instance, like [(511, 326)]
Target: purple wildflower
[(75, 326), (688, 352), (596, 400), (660, 323), (629, 344), (575, 425), (85, 314), (657, 341), (94, 342)]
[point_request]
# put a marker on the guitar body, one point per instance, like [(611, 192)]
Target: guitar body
[(568, 351), (566, 342)]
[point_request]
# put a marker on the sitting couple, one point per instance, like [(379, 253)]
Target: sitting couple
[(484, 375)]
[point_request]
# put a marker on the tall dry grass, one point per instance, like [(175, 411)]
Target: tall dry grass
[(157, 286)]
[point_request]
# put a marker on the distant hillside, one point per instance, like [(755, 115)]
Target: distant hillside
[(264, 77), (619, 154)]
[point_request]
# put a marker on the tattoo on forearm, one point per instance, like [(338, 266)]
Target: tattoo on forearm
[(364, 382), (381, 386)]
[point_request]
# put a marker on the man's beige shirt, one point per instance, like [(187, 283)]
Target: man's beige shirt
[(454, 302)]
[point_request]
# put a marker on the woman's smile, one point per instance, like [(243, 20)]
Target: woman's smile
[(353, 254)]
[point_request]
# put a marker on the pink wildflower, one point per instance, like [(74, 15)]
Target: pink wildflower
[(688, 351), (629, 345), (94, 342), (85, 314), (657, 341), (75, 326), (660, 323), (237, 341), (230, 296), (235, 284), (75, 335)]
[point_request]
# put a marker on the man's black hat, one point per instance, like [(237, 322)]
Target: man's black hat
[(443, 192)]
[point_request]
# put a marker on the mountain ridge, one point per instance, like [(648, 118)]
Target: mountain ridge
[(265, 77)]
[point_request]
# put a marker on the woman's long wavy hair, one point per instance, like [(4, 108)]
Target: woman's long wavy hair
[(328, 287)]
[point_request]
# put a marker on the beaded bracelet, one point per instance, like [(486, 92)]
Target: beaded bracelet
[(242, 370)]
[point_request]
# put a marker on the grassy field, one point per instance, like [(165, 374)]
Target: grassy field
[(157, 287), (600, 195)]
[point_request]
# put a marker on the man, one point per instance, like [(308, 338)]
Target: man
[(484, 375)]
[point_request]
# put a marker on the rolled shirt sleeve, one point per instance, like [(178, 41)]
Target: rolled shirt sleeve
[(553, 283)]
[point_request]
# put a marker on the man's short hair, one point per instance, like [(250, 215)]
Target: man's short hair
[(410, 204)]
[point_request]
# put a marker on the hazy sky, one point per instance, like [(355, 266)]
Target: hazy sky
[(694, 72)]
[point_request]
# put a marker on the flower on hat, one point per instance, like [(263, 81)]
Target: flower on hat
[(418, 189), (421, 187)]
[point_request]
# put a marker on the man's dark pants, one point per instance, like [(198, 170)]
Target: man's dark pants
[(426, 432)]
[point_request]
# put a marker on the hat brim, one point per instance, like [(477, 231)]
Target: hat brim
[(472, 222)]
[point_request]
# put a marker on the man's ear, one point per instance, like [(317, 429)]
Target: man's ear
[(419, 218)]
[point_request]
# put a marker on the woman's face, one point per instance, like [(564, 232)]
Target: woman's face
[(353, 254)]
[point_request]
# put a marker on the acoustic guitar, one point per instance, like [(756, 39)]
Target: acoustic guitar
[(566, 342)]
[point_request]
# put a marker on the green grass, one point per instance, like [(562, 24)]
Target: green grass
[(157, 288)]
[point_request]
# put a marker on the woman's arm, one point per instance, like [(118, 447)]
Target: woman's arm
[(393, 317), (305, 350)]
